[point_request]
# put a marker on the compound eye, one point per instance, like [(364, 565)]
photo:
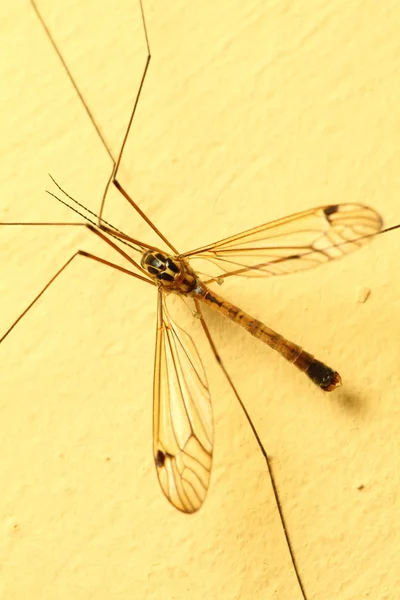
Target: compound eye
[(155, 263)]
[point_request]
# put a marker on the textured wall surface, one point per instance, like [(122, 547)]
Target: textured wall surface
[(250, 111)]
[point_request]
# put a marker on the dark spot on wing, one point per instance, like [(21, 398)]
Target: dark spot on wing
[(160, 459), (331, 210)]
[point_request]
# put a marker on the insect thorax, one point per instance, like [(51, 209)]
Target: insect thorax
[(171, 272)]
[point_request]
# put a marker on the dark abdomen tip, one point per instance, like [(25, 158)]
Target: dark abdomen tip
[(325, 377)]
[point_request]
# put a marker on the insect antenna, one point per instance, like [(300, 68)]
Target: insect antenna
[(116, 162), (86, 217)]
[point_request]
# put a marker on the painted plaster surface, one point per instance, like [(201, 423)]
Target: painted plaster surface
[(250, 111)]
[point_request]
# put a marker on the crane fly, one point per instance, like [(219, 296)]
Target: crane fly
[(183, 430), (182, 412)]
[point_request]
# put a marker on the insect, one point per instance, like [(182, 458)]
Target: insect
[(183, 434)]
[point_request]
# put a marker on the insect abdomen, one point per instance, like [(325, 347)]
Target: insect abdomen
[(322, 375)]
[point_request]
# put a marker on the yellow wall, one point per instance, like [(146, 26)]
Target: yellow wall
[(251, 111)]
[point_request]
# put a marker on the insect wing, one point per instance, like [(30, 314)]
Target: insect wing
[(294, 243), (183, 429)]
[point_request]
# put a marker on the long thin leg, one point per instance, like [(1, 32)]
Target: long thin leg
[(122, 237), (64, 266), (101, 235), (42, 224), (116, 162), (136, 207), (104, 225), (119, 250), (260, 445)]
